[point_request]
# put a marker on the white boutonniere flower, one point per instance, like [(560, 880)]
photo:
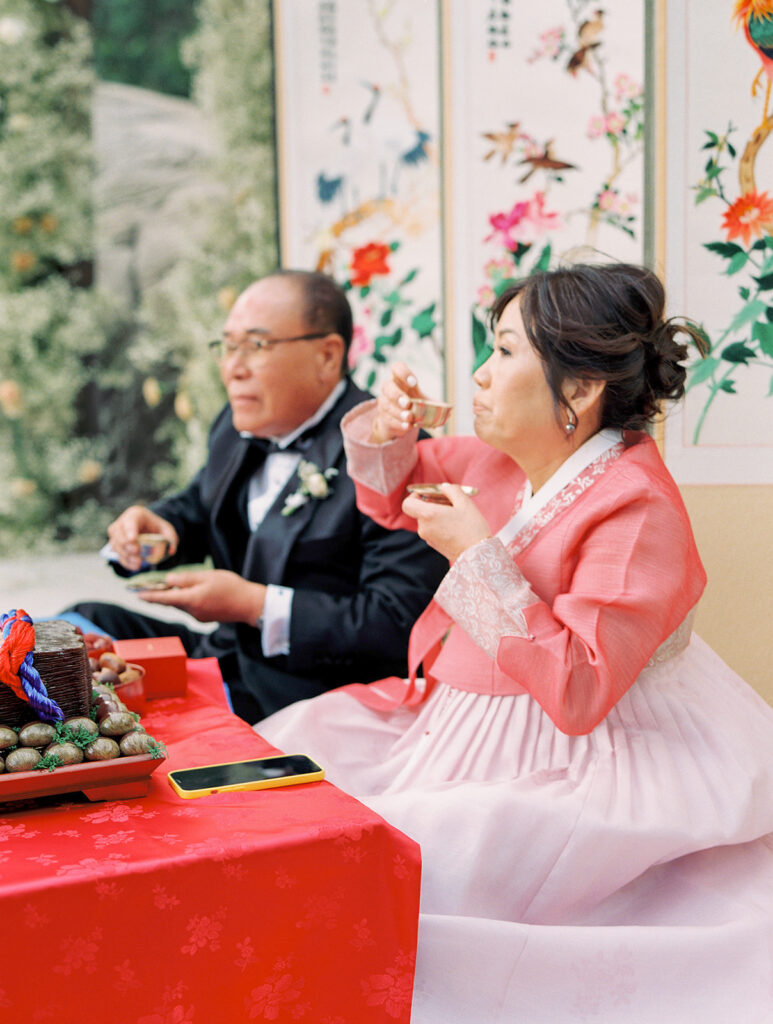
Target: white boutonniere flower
[(313, 484)]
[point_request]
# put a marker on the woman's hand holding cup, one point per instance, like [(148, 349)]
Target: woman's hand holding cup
[(450, 528), (394, 416)]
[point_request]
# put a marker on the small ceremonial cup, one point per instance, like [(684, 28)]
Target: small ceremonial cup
[(153, 548), (433, 493), (429, 414)]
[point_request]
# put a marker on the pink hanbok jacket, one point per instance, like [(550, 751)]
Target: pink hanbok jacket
[(597, 585)]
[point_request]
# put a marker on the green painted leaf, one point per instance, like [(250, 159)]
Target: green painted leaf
[(738, 352), (409, 277), (481, 348), (479, 335), (738, 262), (765, 282), (731, 150), (364, 291), (758, 246), (386, 316), (750, 312), (500, 286), (763, 333), (703, 194), (370, 381), (519, 252), (699, 372), (728, 386), (726, 249), (544, 258), (424, 322), (744, 293), (388, 340)]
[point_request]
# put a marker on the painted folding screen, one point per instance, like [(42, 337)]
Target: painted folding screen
[(359, 144), (546, 148), (541, 152), (719, 231)]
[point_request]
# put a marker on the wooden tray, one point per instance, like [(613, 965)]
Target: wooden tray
[(118, 779)]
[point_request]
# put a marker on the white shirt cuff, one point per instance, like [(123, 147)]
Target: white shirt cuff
[(275, 634)]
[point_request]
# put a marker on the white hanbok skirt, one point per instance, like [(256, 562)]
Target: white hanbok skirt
[(623, 876)]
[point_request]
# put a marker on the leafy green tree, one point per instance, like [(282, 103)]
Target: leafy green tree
[(138, 42)]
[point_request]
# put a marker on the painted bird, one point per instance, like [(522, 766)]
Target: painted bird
[(503, 142), (588, 39), (544, 161), (756, 16)]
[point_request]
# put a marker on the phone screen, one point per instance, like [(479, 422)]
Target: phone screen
[(240, 773)]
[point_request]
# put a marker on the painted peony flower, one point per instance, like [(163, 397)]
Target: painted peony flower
[(749, 217), (524, 223), (368, 261)]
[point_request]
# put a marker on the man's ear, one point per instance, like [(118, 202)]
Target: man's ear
[(330, 354), (584, 394)]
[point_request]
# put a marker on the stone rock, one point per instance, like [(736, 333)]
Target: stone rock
[(153, 187)]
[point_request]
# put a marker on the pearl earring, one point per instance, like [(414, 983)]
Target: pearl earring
[(571, 426)]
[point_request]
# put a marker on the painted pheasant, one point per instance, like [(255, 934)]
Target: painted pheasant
[(756, 16)]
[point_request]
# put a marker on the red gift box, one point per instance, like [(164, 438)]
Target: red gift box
[(164, 661)]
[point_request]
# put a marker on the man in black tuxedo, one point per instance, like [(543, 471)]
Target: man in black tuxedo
[(308, 592)]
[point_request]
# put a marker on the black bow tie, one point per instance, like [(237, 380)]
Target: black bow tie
[(268, 447)]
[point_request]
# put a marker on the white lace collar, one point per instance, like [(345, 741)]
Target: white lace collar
[(592, 449)]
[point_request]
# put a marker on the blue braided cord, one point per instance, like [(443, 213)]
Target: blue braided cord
[(36, 691)]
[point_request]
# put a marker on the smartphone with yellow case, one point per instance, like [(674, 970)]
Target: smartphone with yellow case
[(260, 773)]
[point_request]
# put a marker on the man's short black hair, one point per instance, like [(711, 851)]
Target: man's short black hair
[(326, 305)]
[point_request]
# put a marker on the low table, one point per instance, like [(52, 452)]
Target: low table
[(287, 905)]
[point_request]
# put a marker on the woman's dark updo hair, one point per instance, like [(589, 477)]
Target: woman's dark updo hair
[(605, 322)]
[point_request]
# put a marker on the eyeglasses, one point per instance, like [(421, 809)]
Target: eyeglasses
[(249, 347)]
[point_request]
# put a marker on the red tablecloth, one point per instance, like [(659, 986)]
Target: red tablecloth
[(292, 904)]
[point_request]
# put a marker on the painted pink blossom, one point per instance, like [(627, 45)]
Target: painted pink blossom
[(608, 200), (550, 43), (626, 88), (362, 345), (524, 223), (615, 123), (486, 296), (498, 268), (596, 127)]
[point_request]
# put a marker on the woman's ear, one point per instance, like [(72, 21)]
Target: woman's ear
[(584, 394)]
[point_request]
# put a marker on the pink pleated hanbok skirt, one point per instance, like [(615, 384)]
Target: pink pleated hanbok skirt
[(623, 877)]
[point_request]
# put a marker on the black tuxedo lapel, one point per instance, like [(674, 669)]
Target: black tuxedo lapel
[(229, 510), (270, 545)]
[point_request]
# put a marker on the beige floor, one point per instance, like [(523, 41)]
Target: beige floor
[(44, 586)]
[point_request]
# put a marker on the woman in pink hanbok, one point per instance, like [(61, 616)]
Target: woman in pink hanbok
[(591, 786)]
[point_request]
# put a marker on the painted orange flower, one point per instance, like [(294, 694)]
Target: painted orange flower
[(749, 217), (369, 261)]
